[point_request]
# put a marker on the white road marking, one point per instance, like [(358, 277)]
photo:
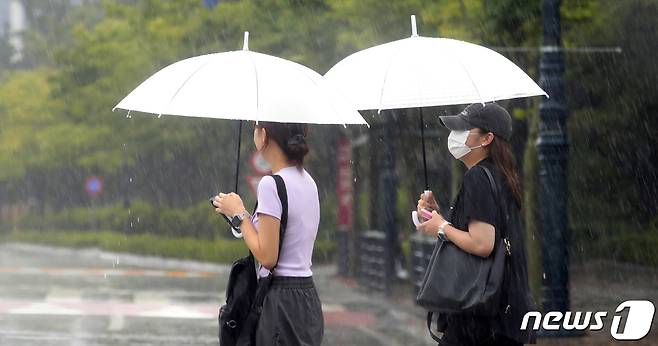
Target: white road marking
[(176, 312), (105, 272), (43, 309)]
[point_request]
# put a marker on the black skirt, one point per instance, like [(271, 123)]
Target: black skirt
[(292, 314)]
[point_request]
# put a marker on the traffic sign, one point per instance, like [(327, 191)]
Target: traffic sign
[(253, 181), (94, 186), (259, 165)]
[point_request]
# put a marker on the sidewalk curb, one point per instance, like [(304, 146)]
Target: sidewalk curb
[(125, 259)]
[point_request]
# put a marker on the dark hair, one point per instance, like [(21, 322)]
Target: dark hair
[(291, 138), (500, 152)]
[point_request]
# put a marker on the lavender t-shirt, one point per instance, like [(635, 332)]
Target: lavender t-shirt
[(303, 219)]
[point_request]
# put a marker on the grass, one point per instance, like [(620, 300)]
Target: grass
[(218, 250), (630, 247)]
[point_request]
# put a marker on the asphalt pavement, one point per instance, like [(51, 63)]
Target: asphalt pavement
[(58, 296)]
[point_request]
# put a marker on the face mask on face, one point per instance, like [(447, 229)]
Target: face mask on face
[(457, 144)]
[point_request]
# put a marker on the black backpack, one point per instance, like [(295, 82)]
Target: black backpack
[(245, 293)]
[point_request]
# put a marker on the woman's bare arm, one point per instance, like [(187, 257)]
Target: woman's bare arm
[(264, 243), (479, 240)]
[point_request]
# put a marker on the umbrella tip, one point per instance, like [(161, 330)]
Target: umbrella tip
[(245, 45), (414, 32)]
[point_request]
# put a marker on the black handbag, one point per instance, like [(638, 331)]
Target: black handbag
[(458, 282), (245, 293)]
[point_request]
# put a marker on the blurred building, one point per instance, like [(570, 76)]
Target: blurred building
[(12, 24)]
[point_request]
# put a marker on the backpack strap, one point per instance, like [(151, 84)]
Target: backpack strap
[(283, 196)]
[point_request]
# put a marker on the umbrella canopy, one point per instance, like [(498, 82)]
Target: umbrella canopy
[(426, 71), (242, 85)]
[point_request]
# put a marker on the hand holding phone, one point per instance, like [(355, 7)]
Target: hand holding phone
[(236, 232)]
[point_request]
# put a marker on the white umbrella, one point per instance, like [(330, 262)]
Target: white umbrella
[(426, 71), (242, 85)]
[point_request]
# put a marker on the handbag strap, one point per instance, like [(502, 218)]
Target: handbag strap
[(503, 235), (429, 327), (496, 191)]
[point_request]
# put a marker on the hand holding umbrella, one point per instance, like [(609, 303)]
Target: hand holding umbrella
[(430, 226), (427, 201)]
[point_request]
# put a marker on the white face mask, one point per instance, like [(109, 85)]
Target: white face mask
[(457, 144)]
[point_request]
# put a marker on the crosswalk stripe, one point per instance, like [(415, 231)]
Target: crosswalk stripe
[(105, 272)]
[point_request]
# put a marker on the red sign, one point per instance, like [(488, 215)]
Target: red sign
[(345, 184), (259, 168), (259, 165), (253, 181)]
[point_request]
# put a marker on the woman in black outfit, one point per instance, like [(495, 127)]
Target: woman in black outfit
[(480, 137)]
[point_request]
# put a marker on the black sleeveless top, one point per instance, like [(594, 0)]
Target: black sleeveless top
[(476, 201)]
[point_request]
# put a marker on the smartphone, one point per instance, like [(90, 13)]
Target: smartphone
[(426, 214), (233, 229), (414, 218)]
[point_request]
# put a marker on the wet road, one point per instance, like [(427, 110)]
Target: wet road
[(68, 297), (56, 296), (51, 296)]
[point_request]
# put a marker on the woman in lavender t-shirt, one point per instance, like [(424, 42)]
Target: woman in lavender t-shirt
[(292, 313)]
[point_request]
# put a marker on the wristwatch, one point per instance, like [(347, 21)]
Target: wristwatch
[(441, 232), (236, 221)]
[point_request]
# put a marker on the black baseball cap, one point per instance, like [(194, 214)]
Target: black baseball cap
[(488, 116)]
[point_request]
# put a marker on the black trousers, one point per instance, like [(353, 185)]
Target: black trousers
[(292, 314)]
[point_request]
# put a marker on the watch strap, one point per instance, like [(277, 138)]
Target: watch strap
[(441, 231)]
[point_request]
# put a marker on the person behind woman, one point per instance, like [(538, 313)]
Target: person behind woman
[(480, 137), (292, 313)]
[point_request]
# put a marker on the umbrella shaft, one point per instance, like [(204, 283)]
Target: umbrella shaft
[(422, 136), (237, 163)]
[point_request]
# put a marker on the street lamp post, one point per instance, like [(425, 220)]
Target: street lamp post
[(553, 146), (388, 193)]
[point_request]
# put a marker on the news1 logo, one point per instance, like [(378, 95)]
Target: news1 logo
[(635, 326)]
